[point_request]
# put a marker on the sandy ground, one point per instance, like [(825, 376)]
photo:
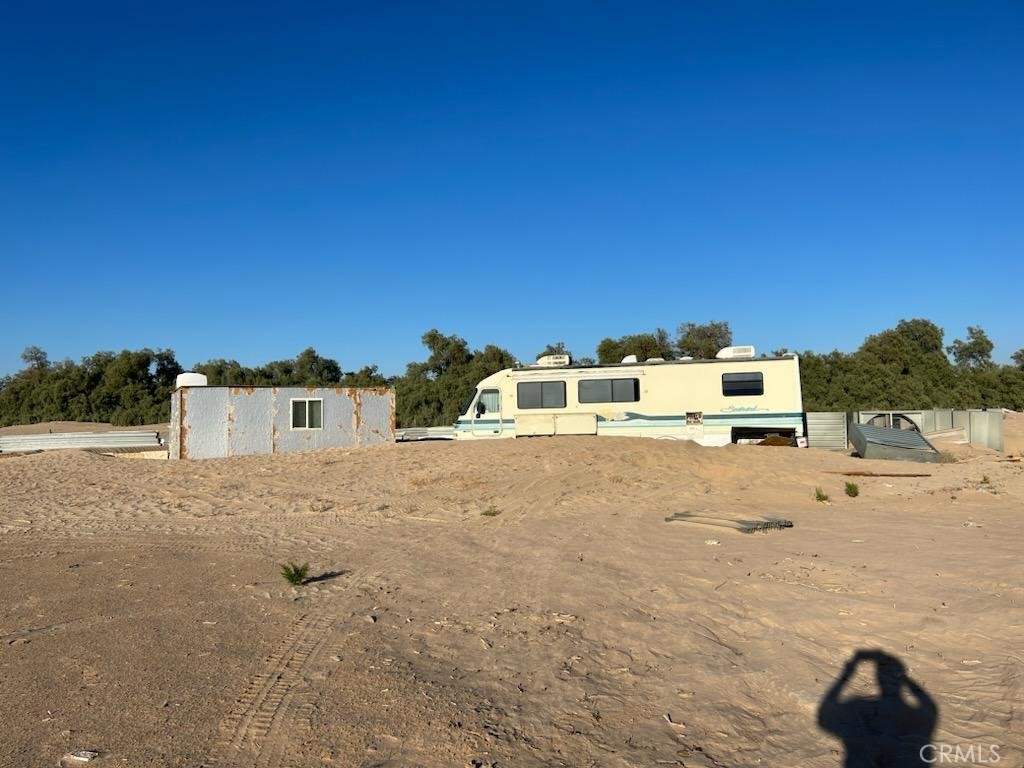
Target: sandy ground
[(142, 615)]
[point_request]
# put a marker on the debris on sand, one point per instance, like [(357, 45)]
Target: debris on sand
[(744, 526), (79, 756)]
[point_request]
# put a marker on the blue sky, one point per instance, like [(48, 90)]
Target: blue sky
[(245, 180)]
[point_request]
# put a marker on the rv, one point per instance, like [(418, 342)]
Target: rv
[(733, 398)]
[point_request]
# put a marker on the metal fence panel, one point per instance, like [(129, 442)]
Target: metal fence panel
[(91, 440), (827, 430)]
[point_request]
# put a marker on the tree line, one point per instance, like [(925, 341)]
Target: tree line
[(908, 366)]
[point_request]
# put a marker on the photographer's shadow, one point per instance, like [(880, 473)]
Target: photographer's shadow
[(889, 730)]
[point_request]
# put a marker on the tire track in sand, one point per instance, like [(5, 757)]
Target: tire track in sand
[(275, 704)]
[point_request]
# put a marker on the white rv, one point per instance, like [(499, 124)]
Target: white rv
[(732, 398)]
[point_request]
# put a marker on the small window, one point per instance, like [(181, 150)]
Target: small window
[(738, 384), (490, 401), (609, 391), (541, 394), (307, 414)]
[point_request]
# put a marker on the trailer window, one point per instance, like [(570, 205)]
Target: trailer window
[(609, 391), (738, 384), (307, 414), (541, 394)]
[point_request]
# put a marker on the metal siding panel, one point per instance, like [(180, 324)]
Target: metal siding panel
[(205, 423), (827, 430), (250, 427), (174, 430), (376, 412)]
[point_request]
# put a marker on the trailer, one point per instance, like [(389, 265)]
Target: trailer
[(735, 397)]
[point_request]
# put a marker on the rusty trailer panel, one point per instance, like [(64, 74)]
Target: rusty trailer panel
[(213, 422)]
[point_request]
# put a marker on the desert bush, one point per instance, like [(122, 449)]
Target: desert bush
[(294, 574), (852, 490), (820, 495)]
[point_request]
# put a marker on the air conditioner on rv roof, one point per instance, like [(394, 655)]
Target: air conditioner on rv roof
[(553, 361), (735, 353)]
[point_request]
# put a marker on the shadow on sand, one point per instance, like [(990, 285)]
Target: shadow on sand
[(884, 731), (325, 576)]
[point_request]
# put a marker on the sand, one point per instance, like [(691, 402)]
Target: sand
[(142, 615)]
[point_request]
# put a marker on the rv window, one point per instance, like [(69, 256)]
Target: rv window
[(307, 414), (737, 384), (491, 400), (609, 391), (541, 394)]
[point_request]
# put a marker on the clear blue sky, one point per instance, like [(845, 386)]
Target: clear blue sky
[(245, 180)]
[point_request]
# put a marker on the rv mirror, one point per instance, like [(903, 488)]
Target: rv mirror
[(481, 409)]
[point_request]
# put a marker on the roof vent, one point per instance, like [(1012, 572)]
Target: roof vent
[(629, 359), (735, 353), (687, 357), (655, 360), (553, 361)]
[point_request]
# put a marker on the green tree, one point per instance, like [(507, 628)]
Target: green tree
[(434, 392), (35, 357), (1018, 358), (703, 341), (643, 345), (975, 352), (367, 376)]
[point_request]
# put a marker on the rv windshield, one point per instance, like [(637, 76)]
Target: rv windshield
[(469, 402)]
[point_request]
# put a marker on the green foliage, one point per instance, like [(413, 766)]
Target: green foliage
[(491, 511), (906, 367), (976, 352), (643, 345), (852, 490), (294, 574), (703, 342), (435, 392), (129, 388), (309, 369), (1018, 358), (820, 495)]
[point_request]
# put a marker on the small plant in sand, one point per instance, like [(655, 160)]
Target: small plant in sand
[(945, 457), (820, 495), (985, 480), (294, 574), (491, 511), (852, 490)]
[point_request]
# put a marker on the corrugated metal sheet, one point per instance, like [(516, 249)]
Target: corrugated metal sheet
[(885, 443), (827, 429), (95, 440)]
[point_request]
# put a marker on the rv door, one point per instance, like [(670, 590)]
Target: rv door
[(487, 414)]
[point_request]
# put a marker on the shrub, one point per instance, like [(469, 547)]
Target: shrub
[(295, 575), (820, 495), (491, 511), (852, 490)]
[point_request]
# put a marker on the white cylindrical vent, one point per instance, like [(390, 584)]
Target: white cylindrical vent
[(190, 379)]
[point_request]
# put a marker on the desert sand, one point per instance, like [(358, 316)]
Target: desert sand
[(142, 613)]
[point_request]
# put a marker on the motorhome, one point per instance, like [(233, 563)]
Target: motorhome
[(735, 397)]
